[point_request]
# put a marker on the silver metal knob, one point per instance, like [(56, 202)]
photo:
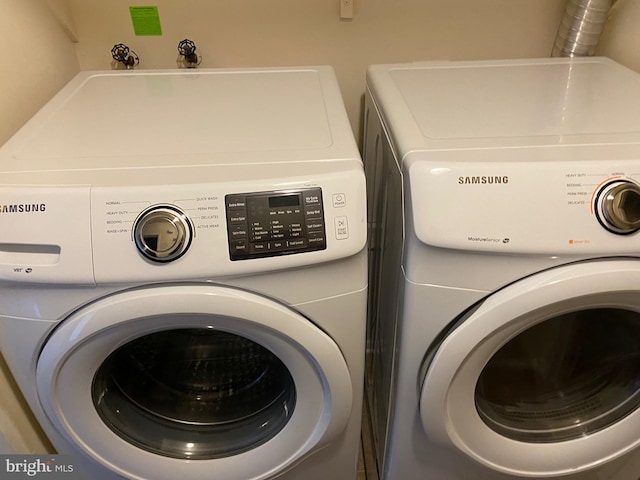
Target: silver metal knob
[(618, 207), (162, 233)]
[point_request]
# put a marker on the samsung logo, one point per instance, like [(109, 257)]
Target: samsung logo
[(23, 208), (483, 180)]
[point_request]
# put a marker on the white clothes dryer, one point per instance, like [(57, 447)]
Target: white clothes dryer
[(184, 274), (505, 292)]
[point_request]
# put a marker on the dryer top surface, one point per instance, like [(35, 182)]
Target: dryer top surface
[(510, 103)]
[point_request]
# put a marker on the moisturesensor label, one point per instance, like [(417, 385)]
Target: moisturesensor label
[(40, 467)]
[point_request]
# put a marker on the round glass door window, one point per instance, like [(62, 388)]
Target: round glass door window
[(194, 393), (564, 378)]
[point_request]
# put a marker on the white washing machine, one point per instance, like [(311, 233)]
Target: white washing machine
[(184, 274), (505, 324)]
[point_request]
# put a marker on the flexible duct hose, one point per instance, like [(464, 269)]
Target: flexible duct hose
[(580, 28)]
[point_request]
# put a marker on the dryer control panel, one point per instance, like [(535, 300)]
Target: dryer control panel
[(267, 224), (525, 206)]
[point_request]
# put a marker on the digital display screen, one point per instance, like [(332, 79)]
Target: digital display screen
[(284, 201)]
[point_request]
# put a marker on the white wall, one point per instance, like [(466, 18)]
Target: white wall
[(621, 36), (231, 33), (37, 59)]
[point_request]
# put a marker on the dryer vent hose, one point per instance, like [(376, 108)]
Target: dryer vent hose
[(579, 31)]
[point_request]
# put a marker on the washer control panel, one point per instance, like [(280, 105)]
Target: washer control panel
[(147, 233), (267, 224)]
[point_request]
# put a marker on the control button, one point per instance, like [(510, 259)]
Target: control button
[(314, 225), (237, 216), (342, 228), (239, 248), (278, 245), (618, 207), (162, 233), (236, 201), (339, 200), (315, 240), (237, 231), (311, 212), (297, 243), (260, 247), (312, 198)]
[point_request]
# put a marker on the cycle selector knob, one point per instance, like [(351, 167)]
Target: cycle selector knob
[(162, 233), (618, 207)]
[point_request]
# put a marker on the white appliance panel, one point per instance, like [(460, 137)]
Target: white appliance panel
[(46, 234), (521, 207), (211, 112), (562, 99)]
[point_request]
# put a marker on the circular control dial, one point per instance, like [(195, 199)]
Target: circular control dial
[(162, 233), (618, 207)]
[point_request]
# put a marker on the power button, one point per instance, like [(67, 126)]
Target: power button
[(339, 200)]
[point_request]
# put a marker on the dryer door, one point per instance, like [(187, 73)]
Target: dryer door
[(542, 378), (182, 381)]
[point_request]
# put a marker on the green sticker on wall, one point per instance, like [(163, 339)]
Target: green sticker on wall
[(146, 20)]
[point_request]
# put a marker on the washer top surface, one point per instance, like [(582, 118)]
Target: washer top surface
[(508, 103), (165, 118)]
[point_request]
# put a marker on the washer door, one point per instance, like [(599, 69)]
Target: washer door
[(543, 377), (183, 381)]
